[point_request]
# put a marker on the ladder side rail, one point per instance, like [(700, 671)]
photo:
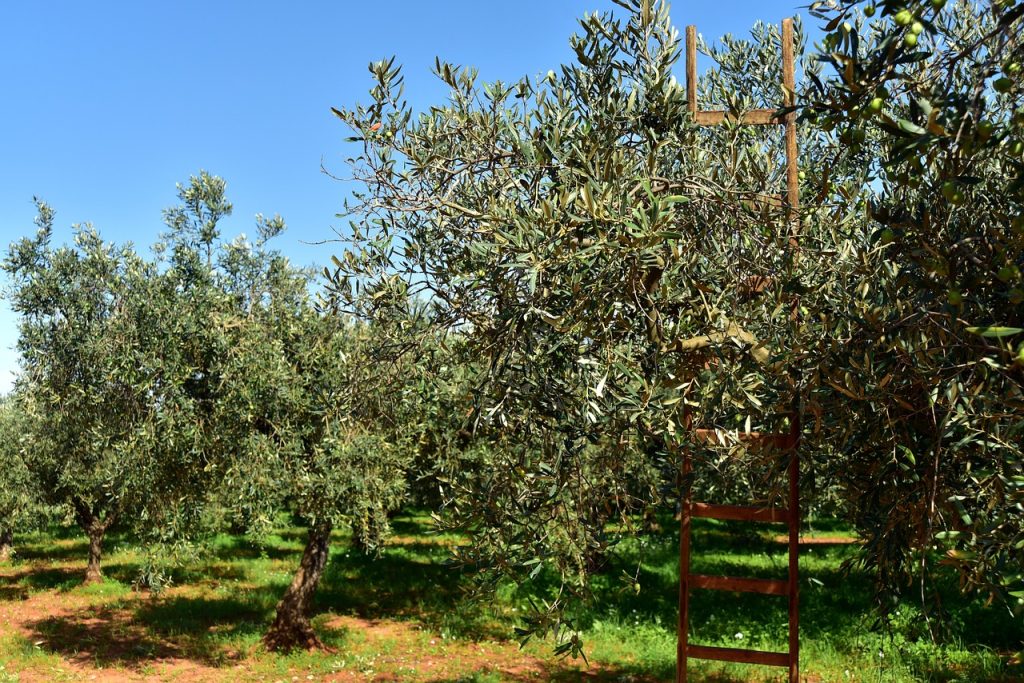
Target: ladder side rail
[(793, 199)]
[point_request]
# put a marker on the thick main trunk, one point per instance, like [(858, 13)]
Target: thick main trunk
[(6, 544), (95, 529), (291, 628), (92, 570)]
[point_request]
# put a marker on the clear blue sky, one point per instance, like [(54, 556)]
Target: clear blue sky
[(106, 105)]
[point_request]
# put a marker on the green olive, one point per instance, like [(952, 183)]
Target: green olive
[(917, 28), (869, 11), (910, 40), (903, 17), (1003, 84), (1009, 273), (876, 105)]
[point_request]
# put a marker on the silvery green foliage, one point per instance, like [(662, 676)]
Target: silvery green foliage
[(596, 253), (927, 365), (20, 507), (102, 385)]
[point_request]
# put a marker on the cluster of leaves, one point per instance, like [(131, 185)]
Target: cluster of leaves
[(613, 273), (616, 274), (928, 99), (19, 508), (156, 391)]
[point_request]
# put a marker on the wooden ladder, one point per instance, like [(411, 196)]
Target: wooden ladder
[(784, 444)]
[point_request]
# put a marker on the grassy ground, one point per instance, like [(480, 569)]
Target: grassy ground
[(404, 616)]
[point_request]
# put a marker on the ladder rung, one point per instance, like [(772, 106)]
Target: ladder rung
[(715, 437), (741, 585), (757, 117), (742, 513), (731, 654)]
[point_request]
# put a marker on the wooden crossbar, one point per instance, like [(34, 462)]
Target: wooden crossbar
[(756, 440), (731, 654), (739, 585), (782, 443), (739, 513), (754, 117)]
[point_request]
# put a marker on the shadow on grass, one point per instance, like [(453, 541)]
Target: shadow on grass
[(410, 581), (103, 636), (36, 577), (71, 549)]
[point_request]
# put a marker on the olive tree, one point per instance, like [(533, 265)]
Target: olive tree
[(929, 368), (19, 506), (616, 273), (320, 436), (289, 403), (99, 395)]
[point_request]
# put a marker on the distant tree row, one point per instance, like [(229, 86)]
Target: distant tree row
[(154, 389)]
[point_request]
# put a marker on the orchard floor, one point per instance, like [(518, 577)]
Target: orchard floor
[(406, 616)]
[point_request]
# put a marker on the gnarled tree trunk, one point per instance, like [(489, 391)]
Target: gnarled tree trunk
[(92, 570), (6, 544), (291, 628), (95, 528)]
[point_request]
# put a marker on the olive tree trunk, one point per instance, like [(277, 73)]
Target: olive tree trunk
[(95, 528), (92, 570), (291, 628), (6, 544)]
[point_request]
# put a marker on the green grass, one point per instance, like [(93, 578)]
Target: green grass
[(220, 604)]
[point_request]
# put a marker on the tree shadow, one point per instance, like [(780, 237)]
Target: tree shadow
[(100, 636), (70, 549), (37, 577), (242, 547), (411, 581)]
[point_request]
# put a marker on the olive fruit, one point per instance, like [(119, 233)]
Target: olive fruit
[(952, 192), (869, 11), (910, 40), (903, 17), (917, 28), (1009, 273), (1002, 84)]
